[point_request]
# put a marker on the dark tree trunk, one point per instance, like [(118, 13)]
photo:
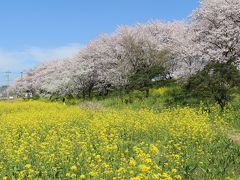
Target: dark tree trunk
[(89, 91), (83, 94), (147, 92)]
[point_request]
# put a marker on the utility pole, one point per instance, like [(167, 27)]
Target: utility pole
[(21, 75), (8, 73)]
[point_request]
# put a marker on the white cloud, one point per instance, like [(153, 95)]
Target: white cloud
[(18, 61), (27, 58)]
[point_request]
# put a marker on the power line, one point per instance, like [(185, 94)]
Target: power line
[(7, 77)]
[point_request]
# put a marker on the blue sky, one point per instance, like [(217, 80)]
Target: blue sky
[(35, 30)]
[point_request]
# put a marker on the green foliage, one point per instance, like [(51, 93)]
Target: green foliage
[(232, 115), (142, 79), (215, 82)]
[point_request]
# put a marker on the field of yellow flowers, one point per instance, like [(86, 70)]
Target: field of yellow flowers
[(40, 140)]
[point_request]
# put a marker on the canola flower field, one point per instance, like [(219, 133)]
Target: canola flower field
[(40, 140)]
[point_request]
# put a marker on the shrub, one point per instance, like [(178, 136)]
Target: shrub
[(216, 81)]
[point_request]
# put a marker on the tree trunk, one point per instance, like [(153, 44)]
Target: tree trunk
[(147, 92), (83, 94)]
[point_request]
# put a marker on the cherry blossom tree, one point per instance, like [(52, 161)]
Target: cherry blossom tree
[(216, 27), (140, 56), (45, 80), (97, 66)]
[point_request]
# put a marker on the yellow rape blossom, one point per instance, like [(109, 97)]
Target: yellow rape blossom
[(144, 168), (74, 168), (48, 139)]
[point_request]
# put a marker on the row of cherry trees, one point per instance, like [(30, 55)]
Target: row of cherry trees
[(211, 34)]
